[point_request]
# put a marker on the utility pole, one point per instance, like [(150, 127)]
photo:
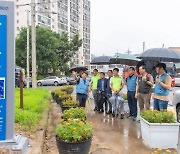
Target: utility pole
[(144, 44), (27, 62), (33, 35)]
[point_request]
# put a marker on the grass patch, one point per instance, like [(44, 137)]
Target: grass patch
[(35, 103)]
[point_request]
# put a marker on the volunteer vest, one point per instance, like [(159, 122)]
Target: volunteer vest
[(159, 90), (95, 81), (144, 88), (116, 82), (82, 86), (131, 83)]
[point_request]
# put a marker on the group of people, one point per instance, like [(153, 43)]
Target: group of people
[(107, 92)]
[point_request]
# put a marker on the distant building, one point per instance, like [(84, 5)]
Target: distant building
[(72, 16)]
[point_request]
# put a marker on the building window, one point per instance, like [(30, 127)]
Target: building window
[(17, 21)]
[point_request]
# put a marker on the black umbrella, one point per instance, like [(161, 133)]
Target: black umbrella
[(101, 60), (160, 54), (125, 59), (78, 68)]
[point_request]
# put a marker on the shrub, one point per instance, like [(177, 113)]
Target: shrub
[(74, 131), (75, 113), (70, 103), (35, 103), (158, 116)]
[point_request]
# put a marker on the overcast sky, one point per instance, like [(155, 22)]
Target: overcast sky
[(125, 24)]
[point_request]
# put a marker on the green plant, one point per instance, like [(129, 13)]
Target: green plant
[(75, 113), (35, 103), (70, 103), (64, 88), (74, 131), (158, 116), (124, 96)]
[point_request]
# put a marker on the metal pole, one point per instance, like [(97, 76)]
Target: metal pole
[(144, 46), (27, 69), (34, 82), (21, 89)]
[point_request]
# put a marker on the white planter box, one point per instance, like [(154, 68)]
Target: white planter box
[(160, 135)]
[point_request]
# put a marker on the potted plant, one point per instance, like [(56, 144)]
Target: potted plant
[(74, 136), (159, 129), (74, 113), (68, 89), (69, 103)]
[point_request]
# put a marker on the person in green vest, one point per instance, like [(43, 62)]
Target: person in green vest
[(93, 87), (116, 85)]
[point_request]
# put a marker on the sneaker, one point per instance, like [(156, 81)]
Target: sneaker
[(122, 116), (95, 109), (108, 112), (129, 116), (113, 114)]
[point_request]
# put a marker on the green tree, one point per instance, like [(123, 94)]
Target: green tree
[(54, 51), (67, 49)]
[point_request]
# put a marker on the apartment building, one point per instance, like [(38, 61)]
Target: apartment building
[(72, 16)]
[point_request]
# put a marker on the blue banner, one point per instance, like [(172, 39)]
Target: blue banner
[(3, 68)]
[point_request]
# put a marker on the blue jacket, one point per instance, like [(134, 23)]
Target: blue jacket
[(82, 86), (158, 89), (109, 91), (99, 85), (131, 83)]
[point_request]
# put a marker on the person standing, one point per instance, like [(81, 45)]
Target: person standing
[(109, 91), (102, 89), (116, 85), (144, 89), (162, 87), (93, 87), (82, 86), (131, 82)]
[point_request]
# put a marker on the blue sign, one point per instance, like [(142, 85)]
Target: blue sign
[(3, 68)]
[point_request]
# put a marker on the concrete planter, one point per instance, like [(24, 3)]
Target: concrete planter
[(160, 135)]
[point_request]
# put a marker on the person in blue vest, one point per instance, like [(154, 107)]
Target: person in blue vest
[(131, 82), (82, 86), (102, 91), (162, 87)]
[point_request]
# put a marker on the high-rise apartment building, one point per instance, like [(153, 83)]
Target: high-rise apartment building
[(72, 16)]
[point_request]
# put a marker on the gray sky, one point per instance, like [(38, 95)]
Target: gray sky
[(122, 24)]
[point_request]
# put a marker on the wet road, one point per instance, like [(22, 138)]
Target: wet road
[(116, 136)]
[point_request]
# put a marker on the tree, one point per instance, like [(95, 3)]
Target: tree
[(67, 49), (54, 51)]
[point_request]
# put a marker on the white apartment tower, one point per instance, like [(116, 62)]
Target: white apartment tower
[(72, 16)]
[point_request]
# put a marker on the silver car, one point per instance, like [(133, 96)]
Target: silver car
[(177, 80), (49, 81), (176, 103)]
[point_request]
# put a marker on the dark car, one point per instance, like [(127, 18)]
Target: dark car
[(71, 80)]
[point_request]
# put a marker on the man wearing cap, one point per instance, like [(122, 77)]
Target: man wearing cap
[(162, 87), (93, 87)]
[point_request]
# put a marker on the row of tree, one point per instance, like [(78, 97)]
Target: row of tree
[(54, 51)]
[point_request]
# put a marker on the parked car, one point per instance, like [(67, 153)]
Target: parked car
[(63, 81), (71, 80), (177, 80), (176, 103), (49, 81)]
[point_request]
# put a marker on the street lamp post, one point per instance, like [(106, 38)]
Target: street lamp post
[(34, 80), (27, 62)]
